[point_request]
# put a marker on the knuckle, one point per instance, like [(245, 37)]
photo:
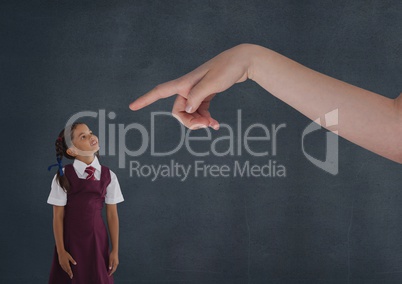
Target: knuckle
[(180, 86), (158, 91)]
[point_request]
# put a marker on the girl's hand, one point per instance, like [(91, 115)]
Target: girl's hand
[(64, 259), (196, 89), (113, 262)]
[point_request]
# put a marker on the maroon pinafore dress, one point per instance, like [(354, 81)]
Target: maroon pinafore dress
[(85, 234)]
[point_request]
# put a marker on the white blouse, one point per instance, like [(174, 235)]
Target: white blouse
[(58, 196)]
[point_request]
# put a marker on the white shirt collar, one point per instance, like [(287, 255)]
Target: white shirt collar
[(81, 166)]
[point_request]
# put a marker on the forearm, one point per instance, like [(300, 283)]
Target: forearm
[(58, 220), (364, 118), (113, 224)]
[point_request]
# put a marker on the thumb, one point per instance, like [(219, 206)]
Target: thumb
[(204, 88), (71, 259), (110, 264)]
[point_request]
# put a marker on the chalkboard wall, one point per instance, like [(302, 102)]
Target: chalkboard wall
[(288, 222)]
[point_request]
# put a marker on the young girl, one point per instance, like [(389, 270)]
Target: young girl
[(78, 193)]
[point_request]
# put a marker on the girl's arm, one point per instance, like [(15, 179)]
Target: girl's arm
[(365, 118), (113, 224), (64, 257)]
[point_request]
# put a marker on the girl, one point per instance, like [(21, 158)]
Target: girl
[(78, 193)]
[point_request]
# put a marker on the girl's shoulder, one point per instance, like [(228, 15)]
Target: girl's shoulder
[(112, 174), (104, 167)]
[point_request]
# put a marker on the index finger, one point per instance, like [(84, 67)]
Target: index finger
[(114, 268), (179, 86), (161, 91), (68, 270)]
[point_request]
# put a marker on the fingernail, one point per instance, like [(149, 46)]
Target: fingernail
[(214, 126), (188, 108), (199, 127)]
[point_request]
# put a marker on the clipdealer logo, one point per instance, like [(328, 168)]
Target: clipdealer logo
[(330, 164), (236, 143)]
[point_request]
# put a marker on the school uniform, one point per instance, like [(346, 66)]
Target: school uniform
[(84, 234)]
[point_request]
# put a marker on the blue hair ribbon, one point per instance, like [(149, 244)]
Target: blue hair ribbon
[(59, 164)]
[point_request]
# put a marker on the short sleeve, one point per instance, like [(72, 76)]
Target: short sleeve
[(57, 195), (113, 191)]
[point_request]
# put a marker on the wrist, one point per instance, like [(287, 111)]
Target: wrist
[(261, 61), (61, 251), (254, 53)]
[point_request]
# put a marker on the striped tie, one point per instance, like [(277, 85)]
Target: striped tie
[(91, 173)]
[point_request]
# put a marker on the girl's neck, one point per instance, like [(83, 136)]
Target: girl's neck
[(86, 159)]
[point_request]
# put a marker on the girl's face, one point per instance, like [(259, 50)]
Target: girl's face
[(84, 142)]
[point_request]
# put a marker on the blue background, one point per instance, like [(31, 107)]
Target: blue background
[(62, 57)]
